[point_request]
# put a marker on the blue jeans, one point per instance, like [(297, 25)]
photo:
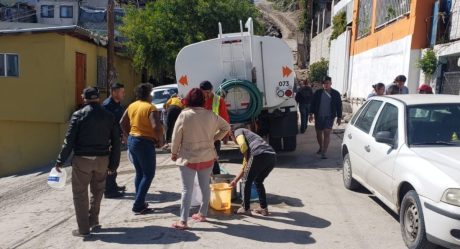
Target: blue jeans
[(303, 109), (143, 157)]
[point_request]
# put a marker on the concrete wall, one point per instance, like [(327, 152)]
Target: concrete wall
[(383, 64), (36, 106), (339, 61), (319, 47)]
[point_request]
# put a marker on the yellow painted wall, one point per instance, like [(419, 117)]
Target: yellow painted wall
[(36, 106)]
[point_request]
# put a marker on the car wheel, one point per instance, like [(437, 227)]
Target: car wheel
[(412, 222), (348, 180)]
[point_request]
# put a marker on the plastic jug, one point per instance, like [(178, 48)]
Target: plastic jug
[(197, 198), (57, 180)]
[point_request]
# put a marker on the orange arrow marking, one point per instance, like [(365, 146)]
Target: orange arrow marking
[(183, 80), (286, 71)]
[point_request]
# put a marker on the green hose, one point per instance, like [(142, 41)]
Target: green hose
[(255, 102)]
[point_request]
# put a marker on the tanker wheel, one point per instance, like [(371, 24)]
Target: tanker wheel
[(290, 143), (275, 142)]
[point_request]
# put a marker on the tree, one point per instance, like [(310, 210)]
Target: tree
[(318, 70), (156, 33)]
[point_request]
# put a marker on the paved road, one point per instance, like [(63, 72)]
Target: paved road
[(309, 209)]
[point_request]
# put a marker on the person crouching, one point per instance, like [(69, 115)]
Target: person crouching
[(259, 159)]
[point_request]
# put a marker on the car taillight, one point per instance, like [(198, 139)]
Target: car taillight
[(288, 93)]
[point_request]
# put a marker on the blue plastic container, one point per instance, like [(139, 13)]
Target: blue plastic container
[(254, 194)]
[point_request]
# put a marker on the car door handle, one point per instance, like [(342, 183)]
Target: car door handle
[(350, 136), (367, 148)]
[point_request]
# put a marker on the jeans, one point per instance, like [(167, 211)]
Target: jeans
[(303, 109), (143, 157), (258, 168), (188, 178), (216, 167)]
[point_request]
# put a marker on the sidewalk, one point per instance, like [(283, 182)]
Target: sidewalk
[(35, 216)]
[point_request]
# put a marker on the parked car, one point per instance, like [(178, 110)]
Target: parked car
[(405, 149), (160, 95)]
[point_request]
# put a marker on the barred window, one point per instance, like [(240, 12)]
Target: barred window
[(390, 10), (364, 18)]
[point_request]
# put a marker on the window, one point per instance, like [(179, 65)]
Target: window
[(9, 65), (388, 120), (434, 124), (66, 11), (353, 120), (47, 11), (390, 10), (367, 116), (364, 18)]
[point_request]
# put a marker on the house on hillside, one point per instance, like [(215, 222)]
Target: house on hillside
[(43, 70), (387, 40), (320, 30)]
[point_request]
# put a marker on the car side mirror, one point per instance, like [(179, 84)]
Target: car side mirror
[(385, 137)]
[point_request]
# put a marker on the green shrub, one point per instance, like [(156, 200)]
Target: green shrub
[(339, 25), (428, 62), (318, 70)]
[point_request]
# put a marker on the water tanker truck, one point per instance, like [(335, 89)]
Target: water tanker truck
[(255, 73)]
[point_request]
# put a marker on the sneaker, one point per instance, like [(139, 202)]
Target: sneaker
[(261, 211), (242, 211), (95, 227), (113, 195), (319, 151), (77, 233), (323, 156)]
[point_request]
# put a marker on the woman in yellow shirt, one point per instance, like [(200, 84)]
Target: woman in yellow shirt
[(141, 121)]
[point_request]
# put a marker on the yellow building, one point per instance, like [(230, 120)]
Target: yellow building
[(43, 70)]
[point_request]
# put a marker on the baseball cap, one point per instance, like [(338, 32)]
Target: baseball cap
[(90, 93), (425, 88)]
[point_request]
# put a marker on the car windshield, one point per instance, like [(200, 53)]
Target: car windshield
[(162, 95), (434, 125)]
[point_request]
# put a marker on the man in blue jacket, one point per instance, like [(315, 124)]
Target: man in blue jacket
[(325, 107), (113, 105)]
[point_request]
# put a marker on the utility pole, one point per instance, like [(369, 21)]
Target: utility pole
[(110, 44)]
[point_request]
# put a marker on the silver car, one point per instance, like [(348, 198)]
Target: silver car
[(405, 149)]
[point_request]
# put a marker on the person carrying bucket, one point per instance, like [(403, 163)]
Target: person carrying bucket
[(259, 159)]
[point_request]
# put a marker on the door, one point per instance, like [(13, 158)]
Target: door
[(381, 156), (357, 137), (80, 78)]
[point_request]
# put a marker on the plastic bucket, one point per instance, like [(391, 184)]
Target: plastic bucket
[(225, 178), (254, 194), (221, 196)]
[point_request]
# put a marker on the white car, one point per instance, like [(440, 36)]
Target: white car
[(161, 94), (405, 149)]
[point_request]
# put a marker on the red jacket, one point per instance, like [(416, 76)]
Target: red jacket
[(222, 108)]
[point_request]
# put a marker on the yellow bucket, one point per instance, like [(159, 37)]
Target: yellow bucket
[(221, 196)]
